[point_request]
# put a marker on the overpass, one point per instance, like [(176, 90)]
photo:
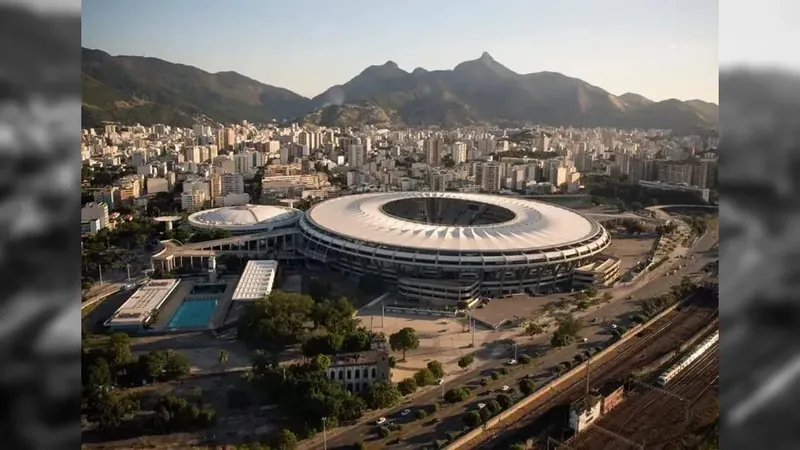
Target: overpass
[(275, 244), (600, 217)]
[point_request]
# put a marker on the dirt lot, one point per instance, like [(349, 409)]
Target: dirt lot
[(520, 306), (629, 251), (201, 348), (444, 340)]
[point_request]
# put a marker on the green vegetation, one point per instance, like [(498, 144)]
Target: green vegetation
[(567, 331), (456, 395), (472, 419), (526, 386), (407, 386), (524, 359), (534, 329), (466, 361), (627, 197), (405, 339)]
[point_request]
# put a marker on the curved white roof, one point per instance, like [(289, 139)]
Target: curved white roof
[(245, 217), (536, 225)]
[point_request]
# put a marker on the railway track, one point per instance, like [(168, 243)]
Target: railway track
[(655, 418), (661, 337)]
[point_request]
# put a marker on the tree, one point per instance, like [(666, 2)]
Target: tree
[(223, 360), (407, 386), (320, 363), (277, 321), (424, 377), (177, 365), (584, 305), (322, 344), (286, 441), (493, 406), (153, 364), (456, 395), (119, 350), (420, 414), (436, 369), (560, 339), (405, 339), (109, 410), (526, 386), (466, 361), (99, 379), (504, 401), (607, 297), (534, 329), (472, 419), (524, 359), (382, 394), (569, 325)]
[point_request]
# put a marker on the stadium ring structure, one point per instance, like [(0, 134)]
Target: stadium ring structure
[(245, 219), (445, 247)]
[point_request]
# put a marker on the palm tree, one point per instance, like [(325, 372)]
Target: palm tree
[(223, 359)]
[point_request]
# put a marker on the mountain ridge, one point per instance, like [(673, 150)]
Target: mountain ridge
[(148, 90)]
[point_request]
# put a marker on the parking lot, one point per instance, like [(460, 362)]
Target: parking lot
[(630, 250), (518, 306)]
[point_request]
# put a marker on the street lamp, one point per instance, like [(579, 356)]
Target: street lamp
[(324, 435)]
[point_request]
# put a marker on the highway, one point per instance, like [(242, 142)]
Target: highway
[(613, 311)]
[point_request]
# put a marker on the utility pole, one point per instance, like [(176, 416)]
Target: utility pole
[(100, 268), (472, 326), (324, 435), (383, 313), (129, 272), (588, 369)]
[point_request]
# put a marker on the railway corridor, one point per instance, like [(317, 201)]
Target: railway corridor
[(653, 417), (663, 336)]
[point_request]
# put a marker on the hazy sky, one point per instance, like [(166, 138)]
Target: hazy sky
[(762, 33), (657, 48)]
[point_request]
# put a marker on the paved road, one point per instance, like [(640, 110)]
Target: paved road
[(596, 333)]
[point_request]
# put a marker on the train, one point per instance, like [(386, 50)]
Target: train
[(687, 360)]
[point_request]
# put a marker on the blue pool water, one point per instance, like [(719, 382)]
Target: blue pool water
[(193, 313)]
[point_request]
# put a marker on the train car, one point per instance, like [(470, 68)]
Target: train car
[(688, 359)]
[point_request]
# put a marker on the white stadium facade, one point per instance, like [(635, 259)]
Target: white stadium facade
[(443, 247), (438, 248)]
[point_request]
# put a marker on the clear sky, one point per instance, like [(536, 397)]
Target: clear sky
[(657, 48)]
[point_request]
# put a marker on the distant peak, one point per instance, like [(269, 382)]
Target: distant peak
[(391, 64), (485, 56), (420, 70)]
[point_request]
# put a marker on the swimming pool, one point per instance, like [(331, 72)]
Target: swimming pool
[(193, 313)]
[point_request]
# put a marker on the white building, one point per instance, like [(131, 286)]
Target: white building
[(137, 310), (193, 201), (357, 371), (155, 185), (256, 280), (585, 411), (95, 211)]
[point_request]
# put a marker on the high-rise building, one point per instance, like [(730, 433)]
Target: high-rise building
[(231, 183), (130, 188), (488, 176), (356, 155), (459, 152), (434, 151)]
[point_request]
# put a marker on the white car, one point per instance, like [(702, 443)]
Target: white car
[(613, 326), (380, 421), (481, 405), (440, 382), (512, 362), (405, 412), (504, 388), (585, 339)]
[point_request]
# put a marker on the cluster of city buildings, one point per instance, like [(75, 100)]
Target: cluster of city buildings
[(211, 166)]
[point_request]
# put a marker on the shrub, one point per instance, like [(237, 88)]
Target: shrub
[(420, 414), (525, 359), (456, 395), (504, 370), (526, 386), (495, 376), (435, 407), (484, 382), (472, 419), (504, 401), (407, 386), (384, 432), (493, 406)]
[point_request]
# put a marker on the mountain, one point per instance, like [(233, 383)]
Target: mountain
[(485, 91), (148, 90)]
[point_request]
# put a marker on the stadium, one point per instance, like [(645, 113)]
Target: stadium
[(245, 219), (445, 247)]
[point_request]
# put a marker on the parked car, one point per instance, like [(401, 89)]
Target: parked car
[(380, 421), (405, 412)]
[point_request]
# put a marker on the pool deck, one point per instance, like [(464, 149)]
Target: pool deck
[(182, 292)]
